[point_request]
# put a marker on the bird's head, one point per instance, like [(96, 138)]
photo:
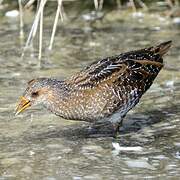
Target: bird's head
[(37, 92)]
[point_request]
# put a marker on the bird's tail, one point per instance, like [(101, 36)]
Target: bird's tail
[(162, 48)]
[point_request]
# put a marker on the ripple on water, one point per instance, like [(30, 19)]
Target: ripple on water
[(43, 146)]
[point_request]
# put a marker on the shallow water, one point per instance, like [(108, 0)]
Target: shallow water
[(38, 144)]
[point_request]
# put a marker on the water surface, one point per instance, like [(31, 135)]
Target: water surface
[(38, 144)]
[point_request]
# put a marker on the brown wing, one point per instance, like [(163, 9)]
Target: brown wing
[(134, 65), (98, 72)]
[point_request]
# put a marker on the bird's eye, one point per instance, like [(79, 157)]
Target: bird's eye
[(35, 94)]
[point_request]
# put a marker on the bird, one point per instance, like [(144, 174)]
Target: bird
[(104, 91)]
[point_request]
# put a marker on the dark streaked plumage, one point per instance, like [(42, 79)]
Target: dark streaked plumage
[(104, 91)]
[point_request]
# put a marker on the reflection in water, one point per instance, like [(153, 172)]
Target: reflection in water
[(38, 144), (132, 123)]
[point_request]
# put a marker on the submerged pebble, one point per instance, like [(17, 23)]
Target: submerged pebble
[(169, 84), (139, 163), (176, 20), (119, 148), (177, 155), (27, 169), (12, 14), (9, 161), (138, 14)]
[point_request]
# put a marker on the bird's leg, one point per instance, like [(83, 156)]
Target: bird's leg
[(101, 129), (118, 125)]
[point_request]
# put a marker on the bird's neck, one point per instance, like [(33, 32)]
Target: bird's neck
[(56, 99)]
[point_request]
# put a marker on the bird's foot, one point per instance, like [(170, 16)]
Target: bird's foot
[(118, 128), (101, 129)]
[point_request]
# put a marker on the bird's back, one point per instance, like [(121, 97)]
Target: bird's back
[(109, 88)]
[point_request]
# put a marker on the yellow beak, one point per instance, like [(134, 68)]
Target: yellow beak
[(22, 105)]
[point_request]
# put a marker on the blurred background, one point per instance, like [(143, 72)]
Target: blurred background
[(56, 38)]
